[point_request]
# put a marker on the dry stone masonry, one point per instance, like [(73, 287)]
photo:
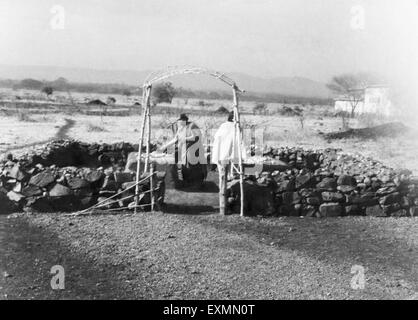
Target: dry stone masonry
[(68, 176), (327, 183)]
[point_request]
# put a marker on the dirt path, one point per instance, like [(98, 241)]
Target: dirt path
[(167, 256), (61, 134), (63, 131)]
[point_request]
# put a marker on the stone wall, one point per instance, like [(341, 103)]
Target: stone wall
[(68, 176), (327, 183)]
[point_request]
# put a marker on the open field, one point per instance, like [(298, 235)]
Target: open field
[(275, 130)]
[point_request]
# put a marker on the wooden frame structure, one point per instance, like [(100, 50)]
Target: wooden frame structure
[(145, 133)]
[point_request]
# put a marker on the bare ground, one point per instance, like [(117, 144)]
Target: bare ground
[(174, 256)]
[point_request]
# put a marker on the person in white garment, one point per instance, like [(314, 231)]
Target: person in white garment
[(225, 145)]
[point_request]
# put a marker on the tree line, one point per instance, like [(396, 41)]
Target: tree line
[(163, 92)]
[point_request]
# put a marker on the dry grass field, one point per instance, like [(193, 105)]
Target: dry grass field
[(18, 133)]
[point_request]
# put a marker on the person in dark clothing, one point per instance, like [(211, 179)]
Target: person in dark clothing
[(189, 151)]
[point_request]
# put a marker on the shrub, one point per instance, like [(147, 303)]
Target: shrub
[(110, 100), (201, 103), (290, 112), (48, 90), (260, 108), (163, 93), (298, 110), (301, 119), (222, 110), (94, 128)]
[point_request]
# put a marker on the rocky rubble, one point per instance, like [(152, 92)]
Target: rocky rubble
[(327, 183), (68, 176)]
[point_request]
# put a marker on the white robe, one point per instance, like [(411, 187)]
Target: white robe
[(224, 149)]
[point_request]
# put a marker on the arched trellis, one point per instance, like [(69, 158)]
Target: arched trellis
[(146, 128)]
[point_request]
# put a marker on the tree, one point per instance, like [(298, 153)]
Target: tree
[(48, 90), (351, 86), (110, 101), (163, 92), (61, 84), (31, 84), (260, 108)]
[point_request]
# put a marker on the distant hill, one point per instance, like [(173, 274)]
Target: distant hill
[(289, 86)]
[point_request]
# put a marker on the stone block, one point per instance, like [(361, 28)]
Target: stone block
[(346, 180), (329, 196), (330, 209), (42, 179), (58, 190), (328, 184)]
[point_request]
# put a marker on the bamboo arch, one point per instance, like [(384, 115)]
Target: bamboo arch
[(146, 125)]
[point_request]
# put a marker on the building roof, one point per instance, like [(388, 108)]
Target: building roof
[(382, 86)]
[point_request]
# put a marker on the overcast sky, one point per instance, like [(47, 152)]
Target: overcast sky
[(309, 38)]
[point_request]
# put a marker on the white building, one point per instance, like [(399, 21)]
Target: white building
[(374, 100)]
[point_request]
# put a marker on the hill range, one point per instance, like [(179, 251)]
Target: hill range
[(289, 86)]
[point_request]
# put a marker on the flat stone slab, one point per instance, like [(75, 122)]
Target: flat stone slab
[(189, 201)]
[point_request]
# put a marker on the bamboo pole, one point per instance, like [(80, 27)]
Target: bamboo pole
[(107, 210), (148, 167), (148, 139), (115, 195), (141, 138), (237, 132), (252, 151), (125, 198), (151, 186), (222, 171)]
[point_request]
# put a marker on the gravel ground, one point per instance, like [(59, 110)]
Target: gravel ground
[(207, 256)]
